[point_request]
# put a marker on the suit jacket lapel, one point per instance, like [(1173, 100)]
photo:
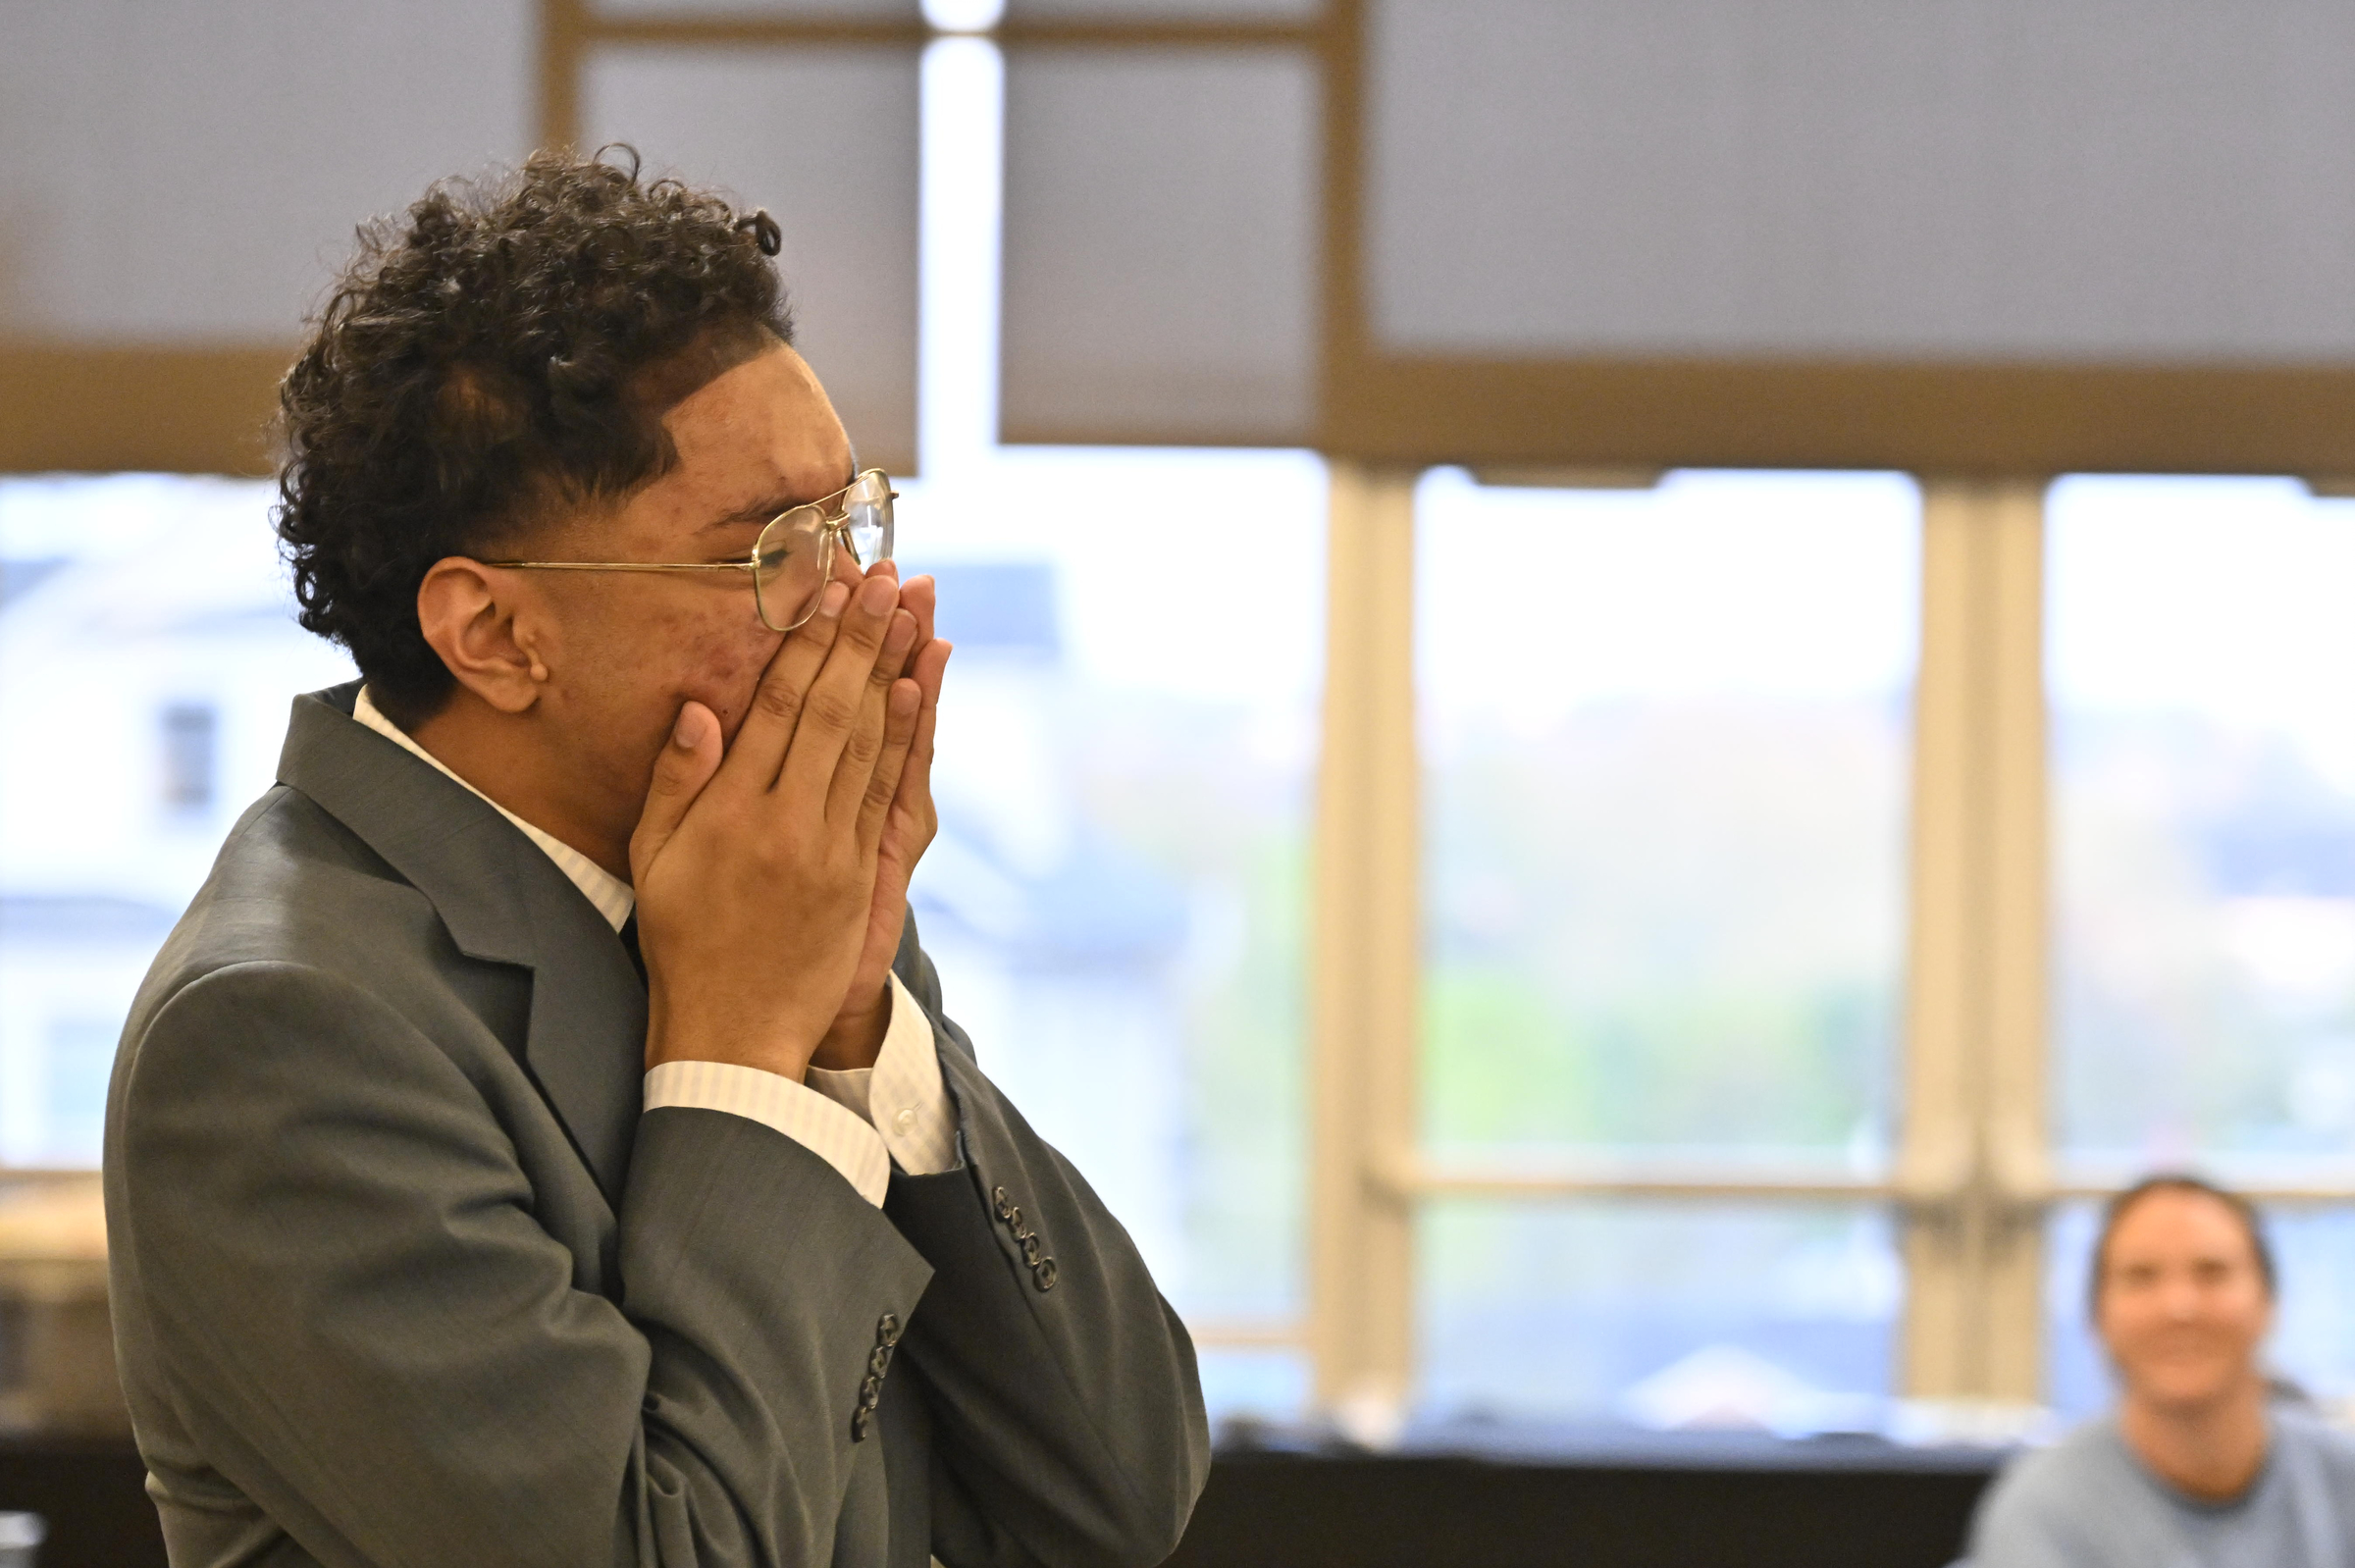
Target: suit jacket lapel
[(502, 901)]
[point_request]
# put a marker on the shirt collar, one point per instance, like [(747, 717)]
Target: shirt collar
[(611, 895)]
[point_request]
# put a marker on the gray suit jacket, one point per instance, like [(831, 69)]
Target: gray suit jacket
[(404, 1277)]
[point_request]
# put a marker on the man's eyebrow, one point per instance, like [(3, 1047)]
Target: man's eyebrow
[(761, 511)]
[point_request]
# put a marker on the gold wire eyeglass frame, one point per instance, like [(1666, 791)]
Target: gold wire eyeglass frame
[(822, 522)]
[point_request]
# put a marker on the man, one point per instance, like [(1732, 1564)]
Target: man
[(539, 1141), (2199, 1468)]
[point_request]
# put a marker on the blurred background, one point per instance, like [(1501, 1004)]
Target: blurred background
[(1642, 687)]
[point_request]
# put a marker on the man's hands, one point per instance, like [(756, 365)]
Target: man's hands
[(772, 882), (909, 823)]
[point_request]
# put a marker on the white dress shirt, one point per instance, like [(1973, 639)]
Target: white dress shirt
[(857, 1121)]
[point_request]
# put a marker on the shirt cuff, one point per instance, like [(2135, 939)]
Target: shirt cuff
[(820, 1125), (902, 1096)]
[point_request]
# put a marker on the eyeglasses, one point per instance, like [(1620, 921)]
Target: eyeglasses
[(793, 559)]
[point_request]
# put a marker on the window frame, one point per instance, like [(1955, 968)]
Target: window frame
[(1973, 1179)]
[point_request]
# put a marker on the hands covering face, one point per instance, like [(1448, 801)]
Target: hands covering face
[(772, 874)]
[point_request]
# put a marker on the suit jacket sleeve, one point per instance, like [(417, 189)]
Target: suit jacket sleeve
[(1068, 1420), (375, 1338)]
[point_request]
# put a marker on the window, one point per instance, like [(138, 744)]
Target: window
[(123, 595), (2203, 679), (1666, 746), (1117, 898), (1665, 742), (2203, 669)]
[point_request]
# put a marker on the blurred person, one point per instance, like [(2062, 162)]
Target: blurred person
[(2203, 1464), (541, 1141)]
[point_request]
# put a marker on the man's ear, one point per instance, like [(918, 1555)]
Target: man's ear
[(486, 631)]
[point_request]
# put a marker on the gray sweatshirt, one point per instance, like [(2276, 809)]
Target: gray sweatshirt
[(2089, 1503)]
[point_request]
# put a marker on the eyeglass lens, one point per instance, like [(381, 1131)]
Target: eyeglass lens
[(792, 561), (867, 517)]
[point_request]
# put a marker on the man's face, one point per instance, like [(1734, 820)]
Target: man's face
[(630, 648), (2183, 1307)]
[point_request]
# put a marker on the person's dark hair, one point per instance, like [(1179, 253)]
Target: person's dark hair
[(506, 349), (2123, 1203)]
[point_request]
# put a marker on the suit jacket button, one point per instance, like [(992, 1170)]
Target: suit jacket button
[(1043, 1276), (859, 1419), (887, 1330)]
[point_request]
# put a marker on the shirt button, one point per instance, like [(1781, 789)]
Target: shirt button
[(905, 1121)]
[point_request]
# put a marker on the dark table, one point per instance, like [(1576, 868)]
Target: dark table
[(1592, 1497), (1485, 1498), (92, 1491)]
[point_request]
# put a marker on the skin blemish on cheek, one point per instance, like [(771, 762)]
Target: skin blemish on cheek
[(722, 671)]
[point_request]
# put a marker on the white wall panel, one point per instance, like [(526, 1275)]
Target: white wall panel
[(178, 171), (825, 138), (1167, 9), (797, 10), (1160, 262), (2073, 180)]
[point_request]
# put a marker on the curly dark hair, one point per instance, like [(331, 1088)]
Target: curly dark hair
[(507, 350)]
